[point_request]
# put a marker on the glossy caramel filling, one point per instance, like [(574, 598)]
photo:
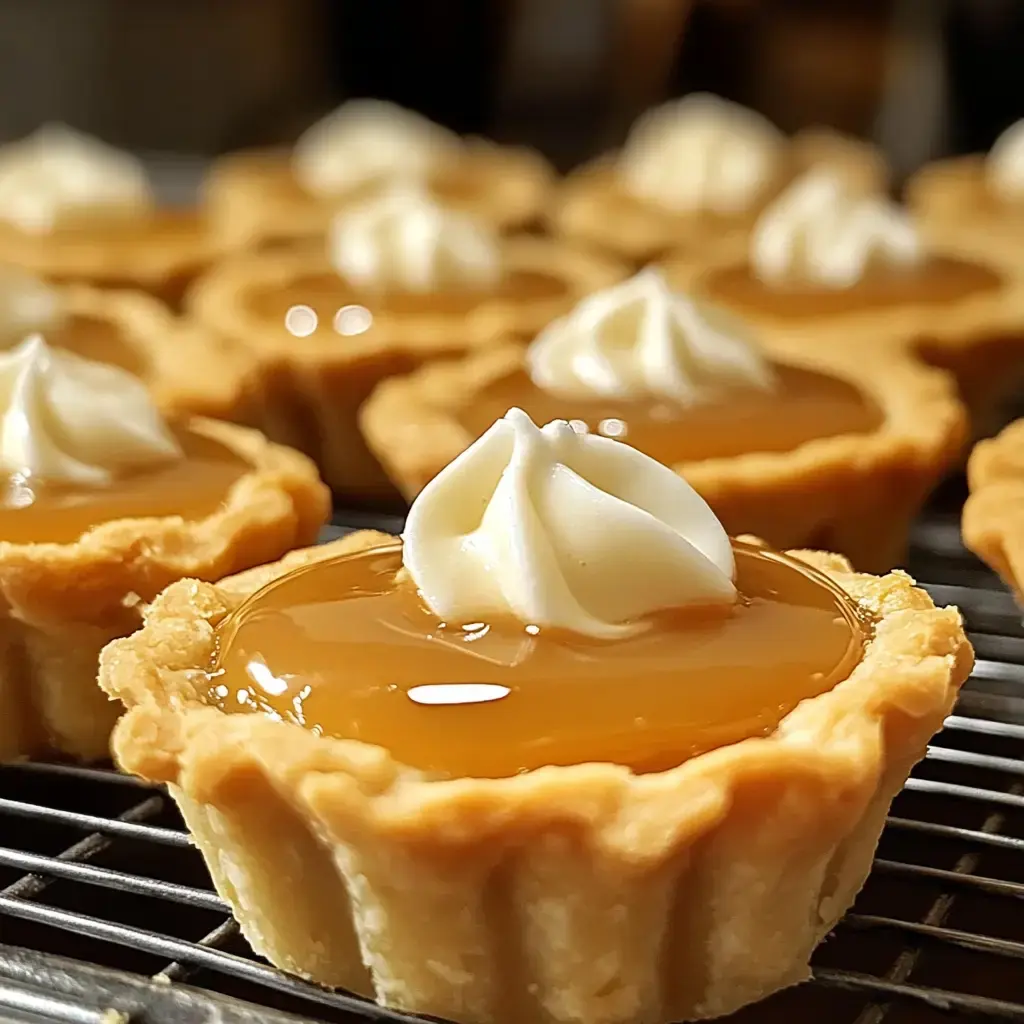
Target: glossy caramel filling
[(941, 281), (347, 648), (803, 406), (192, 487), (171, 226), (328, 294)]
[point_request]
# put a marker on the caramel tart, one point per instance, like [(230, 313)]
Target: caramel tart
[(77, 560), (306, 388), (417, 810), (812, 462)]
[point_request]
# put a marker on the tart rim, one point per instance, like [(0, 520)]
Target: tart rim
[(85, 581)]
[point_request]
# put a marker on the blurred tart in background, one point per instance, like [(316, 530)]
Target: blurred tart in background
[(694, 170), (130, 330), (826, 267), (401, 279), (804, 447), (993, 517), (396, 729), (75, 209), (263, 197)]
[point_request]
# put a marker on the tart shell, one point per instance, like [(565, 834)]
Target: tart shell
[(854, 493), (566, 894), (993, 517), (306, 391), (60, 603)]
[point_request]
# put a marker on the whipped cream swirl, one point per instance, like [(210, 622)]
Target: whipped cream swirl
[(27, 304), (701, 154), (819, 233), (58, 176), (68, 420), (640, 339), (1004, 166), (404, 241), (563, 530), (366, 141)]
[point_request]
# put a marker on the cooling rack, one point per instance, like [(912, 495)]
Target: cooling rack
[(107, 914)]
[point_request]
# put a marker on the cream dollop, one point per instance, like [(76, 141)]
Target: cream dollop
[(402, 240), (58, 175), (1004, 166), (369, 141), (701, 153), (641, 339), (69, 420), (822, 234), (563, 530), (27, 304)]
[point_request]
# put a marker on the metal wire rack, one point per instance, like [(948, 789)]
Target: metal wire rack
[(107, 914)]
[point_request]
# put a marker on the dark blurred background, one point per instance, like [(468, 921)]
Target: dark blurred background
[(197, 77)]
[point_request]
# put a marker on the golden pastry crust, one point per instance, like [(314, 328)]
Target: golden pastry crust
[(593, 208), (563, 894), (855, 493), (59, 603), (162, 350), (162, 262), (979, 339), (993, 517), (253, 198), (306, 392)]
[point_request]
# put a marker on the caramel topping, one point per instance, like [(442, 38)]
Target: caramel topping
[(940, 281), (170, 226), (347, 648), (804, 405), (192, 487), (327, 293)]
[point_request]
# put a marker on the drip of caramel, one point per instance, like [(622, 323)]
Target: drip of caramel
[(326, 293), (939, 282), (803, 406), (193, 487), (347, 648)]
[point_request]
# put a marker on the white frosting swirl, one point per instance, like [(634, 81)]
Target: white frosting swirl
[(640, 339), (822, 234), (69, 420), (563, 530), (701, 153), (404, 241), (58, 175), (367, 141), (27, 304), (1004, 167)]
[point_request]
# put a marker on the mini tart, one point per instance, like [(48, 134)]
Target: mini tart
[(993, 517), (856, 493), (139, 334), (160, 255), (954, 197), (592, 207), (62, 602), (563, 894), (306, 391), (254, 199), (977, 335)]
